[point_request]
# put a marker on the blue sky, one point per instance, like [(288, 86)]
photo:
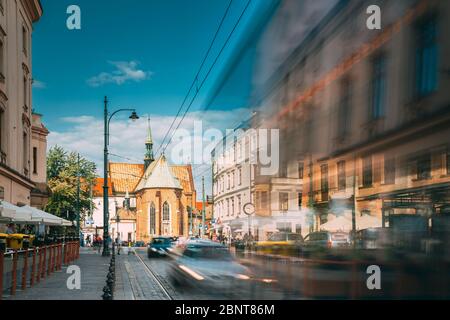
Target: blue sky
[(144, 55), (163, 40)]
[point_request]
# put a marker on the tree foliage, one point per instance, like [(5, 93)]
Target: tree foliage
[(62, 173)]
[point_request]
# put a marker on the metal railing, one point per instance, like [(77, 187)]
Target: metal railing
[(27, 267)]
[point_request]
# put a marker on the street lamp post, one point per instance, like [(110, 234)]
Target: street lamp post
[(107, 119)]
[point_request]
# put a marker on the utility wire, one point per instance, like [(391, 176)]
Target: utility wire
[(195, 81), (209, 72), (122, 157)]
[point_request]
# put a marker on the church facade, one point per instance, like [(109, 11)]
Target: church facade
[(161, 194)]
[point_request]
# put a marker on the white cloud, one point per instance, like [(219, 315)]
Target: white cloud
[(39, 84), (125, 71), (84, 134)]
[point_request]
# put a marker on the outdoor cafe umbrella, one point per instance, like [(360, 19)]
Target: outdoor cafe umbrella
[(12, 213), (43, 217), (341, 223), (66, 223)]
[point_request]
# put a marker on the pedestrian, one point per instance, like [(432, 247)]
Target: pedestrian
[(118, 245), (11, 229), (129, 247)]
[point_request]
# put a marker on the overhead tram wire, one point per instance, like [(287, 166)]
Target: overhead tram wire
[(209, 72), (198, 73), (125, 158)]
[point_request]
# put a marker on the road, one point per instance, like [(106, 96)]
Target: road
[(149, 279), (283, 279)]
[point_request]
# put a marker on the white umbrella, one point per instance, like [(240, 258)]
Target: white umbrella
[(44, 217), (66, 223), (367, 221), (339, 224), (14, 213)]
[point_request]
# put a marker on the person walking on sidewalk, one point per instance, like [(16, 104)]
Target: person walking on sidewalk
[(118, 245)]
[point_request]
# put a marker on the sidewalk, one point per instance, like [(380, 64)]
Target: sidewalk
[(94, 269)]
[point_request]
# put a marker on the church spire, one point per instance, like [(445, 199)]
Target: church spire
[(148, 159)]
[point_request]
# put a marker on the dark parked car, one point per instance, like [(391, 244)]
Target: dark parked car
[(373, 238), (327, 239), (159, 246)]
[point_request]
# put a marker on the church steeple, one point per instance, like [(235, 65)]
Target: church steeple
[(148, 159)]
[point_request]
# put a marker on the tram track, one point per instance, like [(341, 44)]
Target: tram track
[(154, 277)]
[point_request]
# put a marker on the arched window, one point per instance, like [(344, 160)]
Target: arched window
[(166, 212), (152, 219), (181, 221)]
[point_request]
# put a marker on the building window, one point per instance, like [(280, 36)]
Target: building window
[(427, 68), (324, 181), (152, 219), (232, 206), (239, 204), (228, 181), (2, 193), (2, 61), (232, 179), (166, 212), (341, 175), (239, 176), (25, 153), (284, 201), (34, 160), (389, 171), (301, 168), (283, 170), (367, 171), (25, 91), (378, 87), (2, 119), (24, 39), (344, 108), (298, 228), (448, 161), (264, 199), (300, 195), (424, 167)]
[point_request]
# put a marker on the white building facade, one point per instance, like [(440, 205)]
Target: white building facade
[(238, 180)]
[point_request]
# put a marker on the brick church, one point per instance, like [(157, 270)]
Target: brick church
[(160, 194)]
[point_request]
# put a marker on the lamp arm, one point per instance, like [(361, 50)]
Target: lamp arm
[(112, 115)]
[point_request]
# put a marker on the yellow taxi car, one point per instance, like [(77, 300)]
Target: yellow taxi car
[(282, 243)]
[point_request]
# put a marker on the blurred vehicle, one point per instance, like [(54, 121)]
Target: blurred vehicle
[(283, 243), (327, 239), (159, 246), (205, 264), (373, 238), (408, 231), (139, 244)]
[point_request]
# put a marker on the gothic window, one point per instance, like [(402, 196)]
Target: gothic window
[(166, 212), (152, 219)]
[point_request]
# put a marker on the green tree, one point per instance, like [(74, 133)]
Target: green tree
[(62, 173)]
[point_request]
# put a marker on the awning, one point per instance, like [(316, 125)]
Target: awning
[(12, 213), (40, 216), (340, 223), (66, 223)]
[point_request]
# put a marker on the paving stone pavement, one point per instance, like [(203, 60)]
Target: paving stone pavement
[(94, 269), (133, 282)]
